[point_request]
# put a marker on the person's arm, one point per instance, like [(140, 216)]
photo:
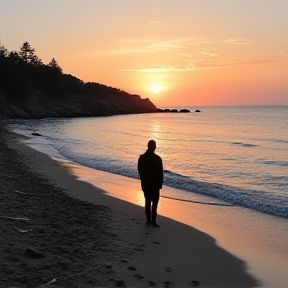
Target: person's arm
[(161, 173), (139, 167)]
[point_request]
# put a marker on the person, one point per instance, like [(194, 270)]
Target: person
[(150, 169)]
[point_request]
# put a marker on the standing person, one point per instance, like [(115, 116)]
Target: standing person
[(150, 169)]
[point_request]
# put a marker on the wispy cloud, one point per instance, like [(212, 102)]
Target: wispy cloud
[(156, 22), (206, 64), (208, 54), (238, 41), (202, 64), (163, 46), (159, 69), (140, 45), (184, 54)]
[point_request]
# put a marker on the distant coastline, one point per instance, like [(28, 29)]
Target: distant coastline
[(31, 89)]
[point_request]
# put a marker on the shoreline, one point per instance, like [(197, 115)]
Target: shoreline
[(162, 256), (256, 238)]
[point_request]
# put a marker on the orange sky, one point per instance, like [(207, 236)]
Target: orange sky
[(199, 52)]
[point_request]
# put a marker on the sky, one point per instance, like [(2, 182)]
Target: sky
[(176, 53)]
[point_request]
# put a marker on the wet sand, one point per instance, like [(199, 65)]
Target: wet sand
[(54, 226)]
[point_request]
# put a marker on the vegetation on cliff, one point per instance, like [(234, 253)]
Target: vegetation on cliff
[(31, 89)]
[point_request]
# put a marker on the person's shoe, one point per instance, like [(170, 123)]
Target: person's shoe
[(154, 224), (149, 222)]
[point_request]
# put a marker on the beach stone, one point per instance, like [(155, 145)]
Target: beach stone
[(131, 268), (139, 276), (151, 283), (124, 261), (32, 253), (168, 269), (138, 249), (167, 284), (195, 283), (46, 267), (156, 242), (120, 283)]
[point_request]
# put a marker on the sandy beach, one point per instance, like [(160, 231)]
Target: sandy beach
[(57, 229)]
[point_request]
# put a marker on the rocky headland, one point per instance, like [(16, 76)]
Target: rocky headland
[(31, 89)]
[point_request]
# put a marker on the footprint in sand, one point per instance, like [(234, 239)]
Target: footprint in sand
[(120, 283), (167, 284), (139, 276), (156, 242), (124, 261), (168, 269), (151, 283), (139, 249)]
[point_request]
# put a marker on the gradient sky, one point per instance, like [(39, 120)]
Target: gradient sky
[(199, 52)]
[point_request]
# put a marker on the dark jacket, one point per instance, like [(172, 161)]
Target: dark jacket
[(150, 169)]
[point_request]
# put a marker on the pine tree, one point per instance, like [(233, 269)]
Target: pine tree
[(54, 64), (3, 51), (15, 57), (28, 55)]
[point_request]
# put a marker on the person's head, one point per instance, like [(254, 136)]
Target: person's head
[(151, 145)]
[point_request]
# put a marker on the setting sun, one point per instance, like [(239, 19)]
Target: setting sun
[(155, 88)]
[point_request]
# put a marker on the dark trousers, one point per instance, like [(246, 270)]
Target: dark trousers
[(151, 197)]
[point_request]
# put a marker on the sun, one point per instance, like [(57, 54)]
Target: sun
[(156, 88)]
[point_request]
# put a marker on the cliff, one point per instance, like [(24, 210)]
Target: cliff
[(39, 105), (31, 89)]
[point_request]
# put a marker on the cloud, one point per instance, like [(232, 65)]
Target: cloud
[(159, 69), (156, 22), (202, 64), (140, 45), (163, 46), (238, 41), (208, 54), (208, 64), (184, 54)]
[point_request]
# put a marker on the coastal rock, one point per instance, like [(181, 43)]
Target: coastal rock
[(197, 110), (167, 110)]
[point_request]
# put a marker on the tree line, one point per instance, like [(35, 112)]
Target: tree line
[(22, 72)]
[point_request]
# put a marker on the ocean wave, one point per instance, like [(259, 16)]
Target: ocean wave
[(98, 155), (274, 163), (244, 144), (256, 200)]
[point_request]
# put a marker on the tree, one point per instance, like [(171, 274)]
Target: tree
[(28, 55), (3, 51), (15, 57), (54, 64)]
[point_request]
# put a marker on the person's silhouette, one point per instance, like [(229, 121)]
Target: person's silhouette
[(150, 169)]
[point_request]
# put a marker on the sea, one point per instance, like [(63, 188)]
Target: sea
[(236, 156)]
